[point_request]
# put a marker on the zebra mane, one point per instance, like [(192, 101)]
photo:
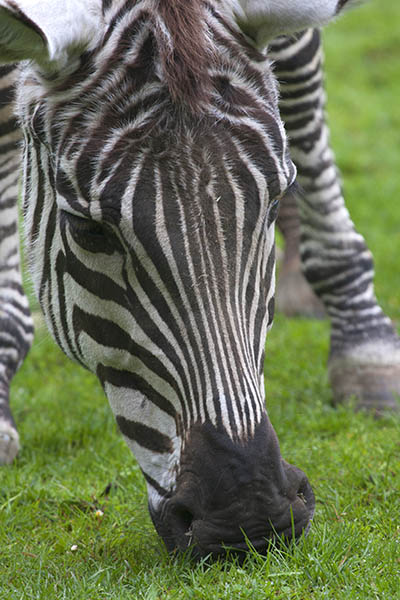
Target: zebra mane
[(184, 50)]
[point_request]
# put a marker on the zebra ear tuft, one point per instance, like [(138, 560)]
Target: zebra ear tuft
[(47, 31)]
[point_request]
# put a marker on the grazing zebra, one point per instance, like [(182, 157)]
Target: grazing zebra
[(154, 160)]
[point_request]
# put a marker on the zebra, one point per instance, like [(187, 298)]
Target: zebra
[(154, 159)]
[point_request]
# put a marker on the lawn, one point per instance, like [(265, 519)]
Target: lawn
[(73, 515)]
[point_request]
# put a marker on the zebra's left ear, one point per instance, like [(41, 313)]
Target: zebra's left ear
[(47, 31)]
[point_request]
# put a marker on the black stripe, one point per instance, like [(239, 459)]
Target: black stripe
[(153, 483), (133, 381), (145, 436)]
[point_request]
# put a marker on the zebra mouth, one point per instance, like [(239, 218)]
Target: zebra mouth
[(206, 536), (271, 536), (234, 496)]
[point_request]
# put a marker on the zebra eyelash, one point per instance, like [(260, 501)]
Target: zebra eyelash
[(90, 235)]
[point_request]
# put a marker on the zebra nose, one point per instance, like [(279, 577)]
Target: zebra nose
[(247, 518), (229, 495)]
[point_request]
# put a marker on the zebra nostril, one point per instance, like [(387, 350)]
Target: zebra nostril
[(181, 521)]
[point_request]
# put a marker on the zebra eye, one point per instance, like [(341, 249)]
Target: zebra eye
[(88, 234)]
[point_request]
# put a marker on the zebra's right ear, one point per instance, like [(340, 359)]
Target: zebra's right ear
[(47, 31), (264, 20)]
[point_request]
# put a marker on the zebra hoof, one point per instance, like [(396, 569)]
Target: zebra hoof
[(295, 298), (9, 443), (373, 383)]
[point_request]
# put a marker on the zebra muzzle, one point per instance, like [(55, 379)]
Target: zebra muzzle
[(231, 497)]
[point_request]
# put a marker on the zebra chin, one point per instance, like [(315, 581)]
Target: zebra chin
[(231, 497)]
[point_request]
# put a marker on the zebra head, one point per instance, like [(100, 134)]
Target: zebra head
[(154, 160)]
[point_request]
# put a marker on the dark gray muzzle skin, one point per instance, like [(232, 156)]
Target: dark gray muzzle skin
[(229, 494)]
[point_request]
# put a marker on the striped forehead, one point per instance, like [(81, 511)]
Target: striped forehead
[(118, 143), (118, 100), (214, 167)]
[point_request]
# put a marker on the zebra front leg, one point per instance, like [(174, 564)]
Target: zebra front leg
[(364, 357), (16, 328)]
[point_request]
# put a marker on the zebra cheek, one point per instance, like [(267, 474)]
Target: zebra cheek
[(149, 429)]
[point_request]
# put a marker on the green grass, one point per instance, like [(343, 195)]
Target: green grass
[(72, 453)]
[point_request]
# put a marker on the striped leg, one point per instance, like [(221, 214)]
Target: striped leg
[(294, 295), (365, 349), (16, 329)]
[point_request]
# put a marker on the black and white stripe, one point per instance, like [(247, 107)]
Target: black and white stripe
[(16, 330), (365, 349)]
